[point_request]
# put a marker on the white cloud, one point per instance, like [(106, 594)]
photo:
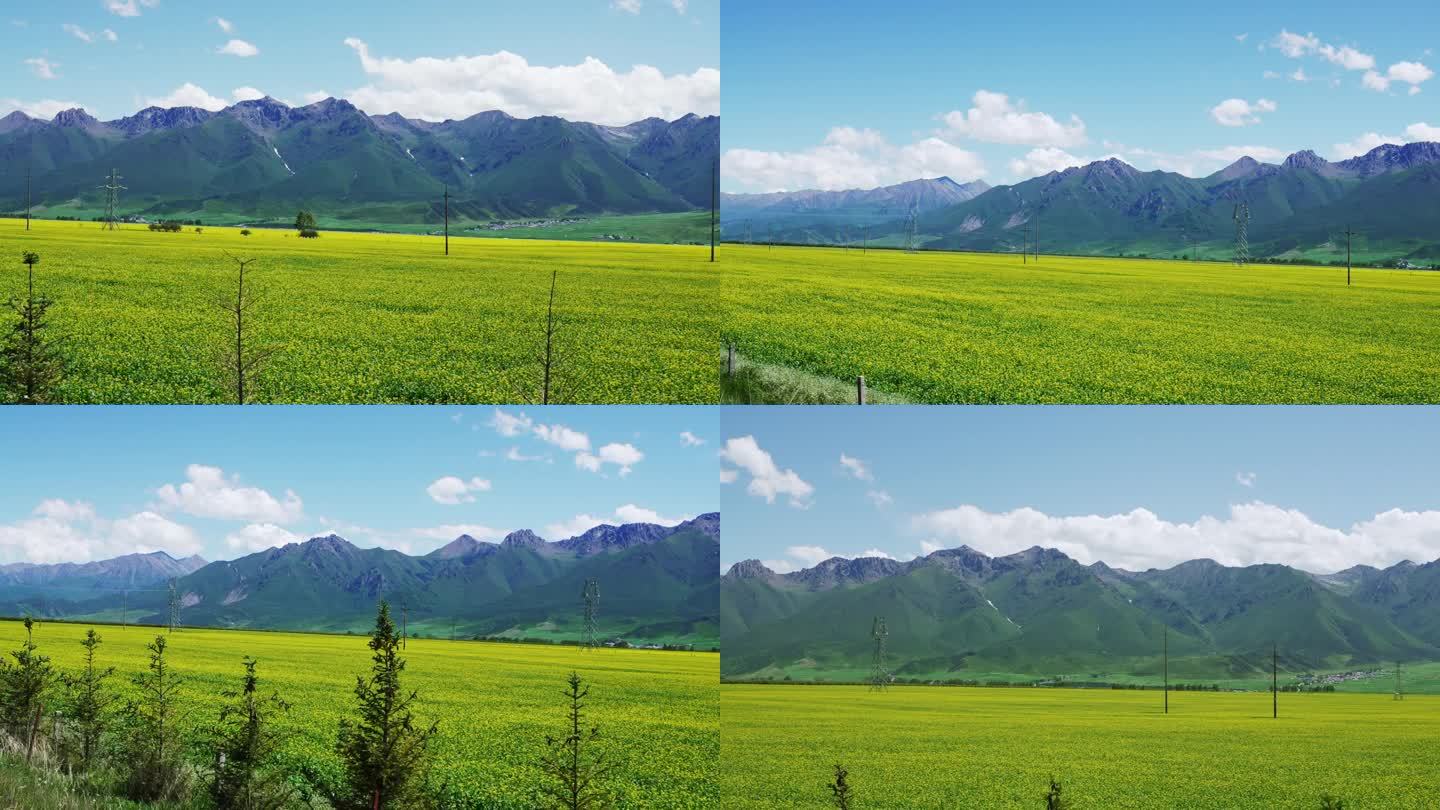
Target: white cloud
[(189, 95), (630, 513), (456, 87), (207, 492), (316, 97), (1297, 46), (1042, 161), (1363, 144), (46, 109), (766, 479), (995, 119), (514, 454), (42, 67), (78, 32), (1245, 479), (128, 8), (225, 25), (570, 528), (809, 555), (627, 6), (931, 546), (238, 47), (780, 566), (680, 6), (1237, 112), (450, 531), (875, 552), (66, 531), (246, 94), (110, 36), (624, 456), (1299, 75), (855, 467), (1251, 533), (729, 476), (1422, 132), (571, 441), (879, 497), (259, 537), (1242, 37), (850, 158), (510, 425), (690, 439), (453, 490), (1411, 73), (1375, 81)]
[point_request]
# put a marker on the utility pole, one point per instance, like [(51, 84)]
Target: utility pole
[(447, 219), (1274, 680), (1349, 235), (1165, 647), (714, 207)]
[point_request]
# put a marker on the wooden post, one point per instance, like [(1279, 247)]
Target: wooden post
[(860, 390)]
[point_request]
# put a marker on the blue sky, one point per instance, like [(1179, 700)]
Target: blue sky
[(115, 56), (223, 482), (1144, 79), (1319, 488)]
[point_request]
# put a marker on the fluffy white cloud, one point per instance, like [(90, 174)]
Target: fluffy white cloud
[(1411, 73), (1297, 46), (453, 490), (690, 439), (879, 497), (189, 95), (450, 531), (680, 6), (1422, 132), (1042, 161), (46, 108), (128, 8), (994, 119), (1364, 143), (1245, 479), (767, 480), (850, 158), (260, 536), (238, 47), (729, 476), (43, 68), (570, 528), (1251, 533), (624, 456), (247, 94), (809, 555), (225, 25), (110, 36), (630, 513), (1237, 112), (207, 492), (509, 425), (514, 454), (571, 441), (315, 97), (457, 87), (627, 6), (71, 531), (875, 552), (855, 467)]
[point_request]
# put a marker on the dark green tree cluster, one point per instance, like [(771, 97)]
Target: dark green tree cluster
[(305, 224)]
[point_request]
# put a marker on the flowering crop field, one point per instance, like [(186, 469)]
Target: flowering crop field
[(983, 328), (658, 712), (371, 318), (936, 747)]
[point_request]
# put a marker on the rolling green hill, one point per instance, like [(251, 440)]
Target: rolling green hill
[(1037, 611)]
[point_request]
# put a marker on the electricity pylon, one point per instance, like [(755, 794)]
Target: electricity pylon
[(1242, 238), (879, 678), (112, 199), (591, 595)]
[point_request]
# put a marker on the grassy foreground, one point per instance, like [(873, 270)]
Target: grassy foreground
[(658, 712), (930, 747), (983, 328), (368, 318)]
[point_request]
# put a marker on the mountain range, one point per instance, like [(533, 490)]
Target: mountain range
[(1038, 611), (787, 211), (265, 159), (657, 583), (1298, 209)]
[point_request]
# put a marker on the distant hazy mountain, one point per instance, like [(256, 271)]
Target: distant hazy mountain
[(792, 212), (1391, 195), (656, 582), (78, 581), (266, 159), (1038, 611)]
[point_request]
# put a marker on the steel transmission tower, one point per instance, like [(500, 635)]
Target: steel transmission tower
[(174, 606), (1242, 239), (879, 678), (591, 594), (112, 199)]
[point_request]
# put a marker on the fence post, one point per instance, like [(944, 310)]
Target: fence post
[(860, 390)]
